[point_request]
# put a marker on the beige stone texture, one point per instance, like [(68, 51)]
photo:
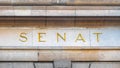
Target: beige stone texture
[(105, 65), (79, 55), (44, 65), (60, 11), (30, 22), (90, 2), (59, 2), (18, 55), (39, 11), (89, 24), (80, 65), (5, 2), (60, 22), (22, 10), (6, 11), (6, 23)]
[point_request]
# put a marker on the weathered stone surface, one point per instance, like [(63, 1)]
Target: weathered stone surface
[(91, 24), (16, 65), (60, 22), (97, 7), (6, 11), (30, 23), (5, 65), (90, 2), (112, 23), (50, 65), (80, 55), (96, 23), (44, 2), (18, 55), (22, 10), (97, 13), (22, 65), (29, 36), (62, 63), (107, 36), (39, 11), (15, 39), (105, 65), (22, 2), (57, 47), (5, 2), (37, 21), (7, 23), (59, 2), (33, 2), (60, 11), (44, 65), (80, 65)]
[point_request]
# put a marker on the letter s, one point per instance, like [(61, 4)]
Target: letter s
[(23, 37)]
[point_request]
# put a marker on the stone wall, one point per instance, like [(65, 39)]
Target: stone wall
[(59, 14), (51, 65), (60, 2), (57, 53)]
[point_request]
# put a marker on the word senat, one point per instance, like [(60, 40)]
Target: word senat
[(58, 36)]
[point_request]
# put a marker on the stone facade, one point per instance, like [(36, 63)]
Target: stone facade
[(47, 14), (51, 65)]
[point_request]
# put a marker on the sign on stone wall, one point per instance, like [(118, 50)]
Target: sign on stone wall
[(60, 36)]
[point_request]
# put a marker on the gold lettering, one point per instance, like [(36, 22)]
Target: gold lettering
[(23, 35), (40, 36), (97, 36), (63, 38), (80, 37)]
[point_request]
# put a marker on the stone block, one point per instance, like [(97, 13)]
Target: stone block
[(33, 2), (5, 2), (18, 55), (89, 23), (7, 23), (90, 2), (22, 2), (22, 65), (11, 37), (22, 10), (30, 23), (79, 55), (62, 64), (112, 23), (6, 11), (45, 2), (106, 37), (59, 2), (80, 65), (105, 65), (97, 12), (44, 65), (60, 11), (5, 65), (39, 11), (97, 7), (60, 22)]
